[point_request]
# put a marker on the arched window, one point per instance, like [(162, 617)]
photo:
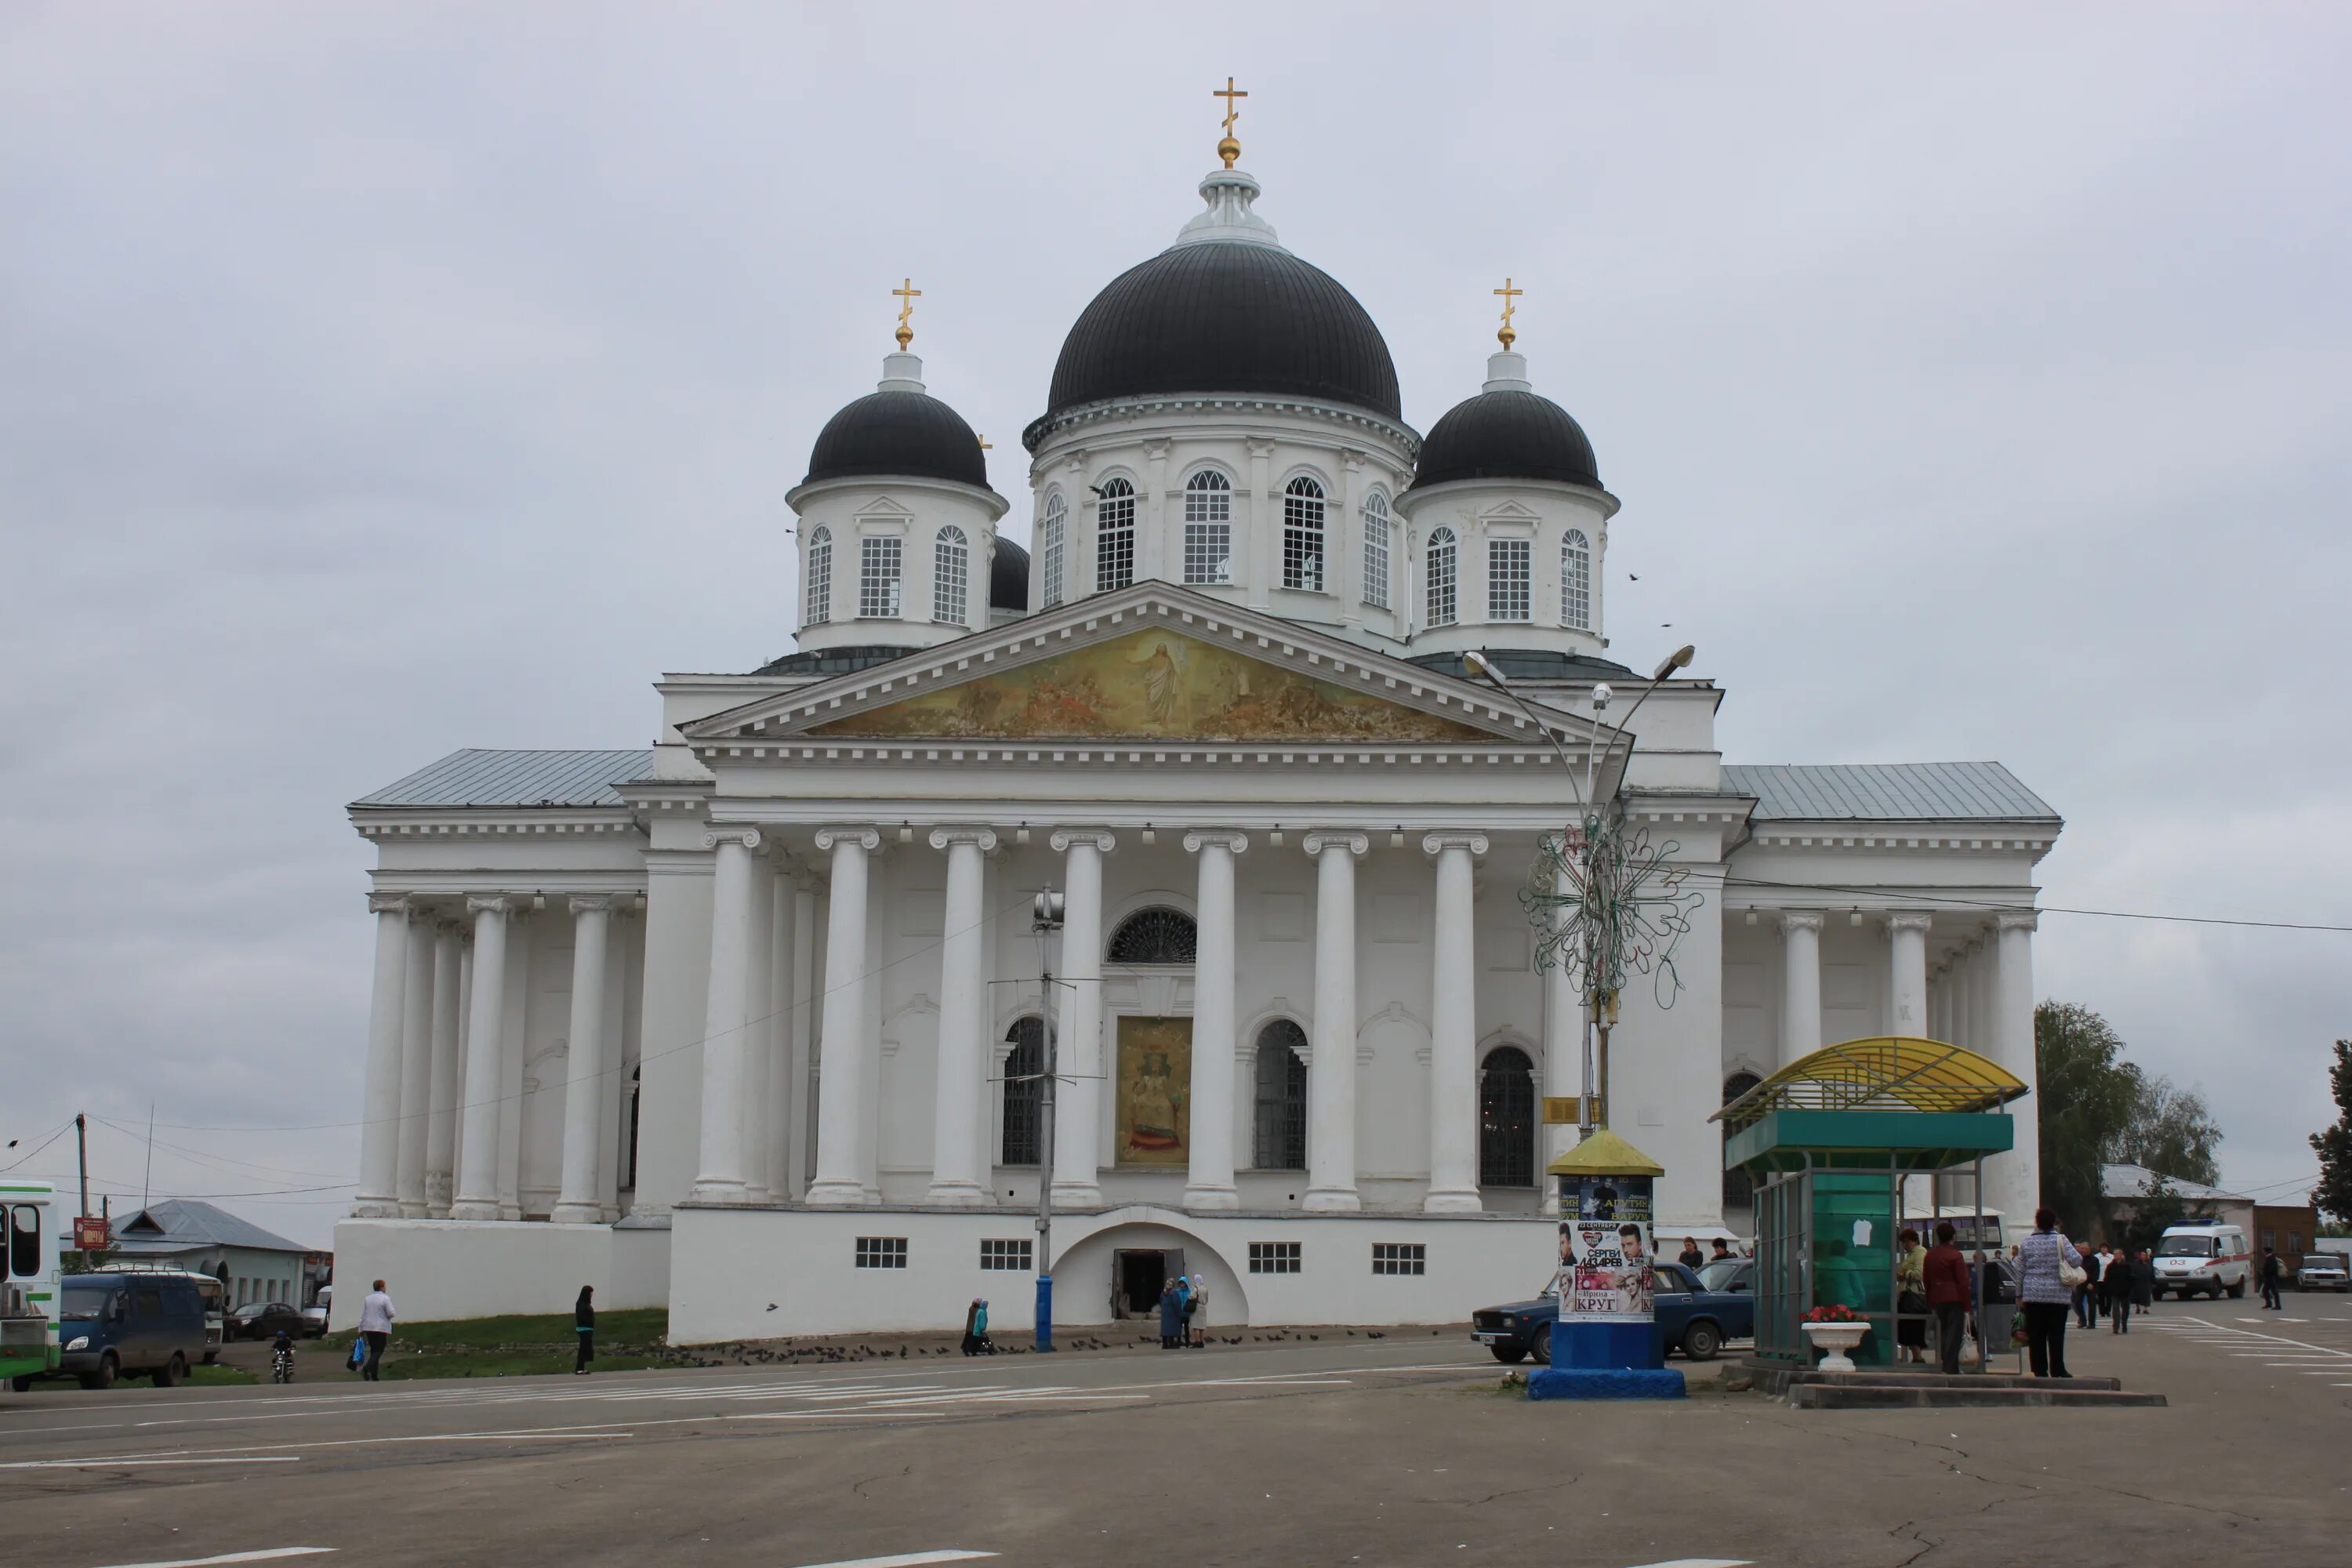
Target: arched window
[(1302, 535), (1208, 528), (1509, 579), (1376, 549), (1156, 935), (1114, 535), (1049, 550), (1442, 609), (950, 577), (880, 569), (1281, 1097), (1507, 1119), (1738, 1186), (819, 585), (1576, 581), (1024, 1091)]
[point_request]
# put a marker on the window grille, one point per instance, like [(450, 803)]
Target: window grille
[(1442, 605), (1115, 536), (1400, 1257), (1302, 535), (1507, 1119), (820, 577), (1281, 1097), (1508, 575), (1023, 1090), (1208, 528), (1049, 549), (1576, 581), (881, 1252), (1013, 1255), (1156, 935), (950, 576), (879, 566), (1274, 1257), (1376, 550)]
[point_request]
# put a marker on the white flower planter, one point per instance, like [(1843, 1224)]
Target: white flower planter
[(1836, 1342)]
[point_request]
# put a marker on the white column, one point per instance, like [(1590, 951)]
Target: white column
[(1564, 1060), (783, 998), (1079, 1055), (1906, 988), (1332, 1076), (1454, 1030), (2014, 1179), (441, 1098), (379, 1193), (1801, 984), (415, 1067), (758, 1031), (1209, 1185), (841, 1083), (588, 1061), (620, 957), (477, 1152), (962, 1075), (725, 1051)]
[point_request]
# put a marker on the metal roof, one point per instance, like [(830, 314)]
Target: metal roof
[(477, 777), (1887, 792), (188, 1222), (2122, 1181)]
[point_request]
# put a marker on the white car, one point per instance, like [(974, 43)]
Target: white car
[(2202, 1259), (2323, 1271)]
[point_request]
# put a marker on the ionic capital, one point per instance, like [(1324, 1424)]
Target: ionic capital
[(1453, 838), (597, 903), (1099, 839), (749, 837), (388, 904), (2018, 919), (1904, 920), (983, 836), (1316, 840), (1800, 920), (491, 903), (865, 839), (1200, 839)]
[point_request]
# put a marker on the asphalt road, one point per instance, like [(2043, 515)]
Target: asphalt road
[(1399, 1452)]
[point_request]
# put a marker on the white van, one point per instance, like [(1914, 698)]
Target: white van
[(2208, 1258)]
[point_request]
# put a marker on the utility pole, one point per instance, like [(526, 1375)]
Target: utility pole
[(1046, 919), (81, 1143)]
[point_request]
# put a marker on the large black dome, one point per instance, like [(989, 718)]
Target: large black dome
[(1506, 435), (908, 432), (1220, 316)]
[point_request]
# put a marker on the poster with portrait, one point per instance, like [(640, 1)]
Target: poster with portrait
[(1155, 1092), (1605, 1255)]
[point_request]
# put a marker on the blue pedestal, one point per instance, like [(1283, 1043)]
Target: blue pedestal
[(1605, 1361)]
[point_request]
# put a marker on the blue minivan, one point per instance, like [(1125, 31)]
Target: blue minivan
[(115, 1325)]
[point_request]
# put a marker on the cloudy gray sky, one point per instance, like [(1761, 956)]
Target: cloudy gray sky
[(381, 380)]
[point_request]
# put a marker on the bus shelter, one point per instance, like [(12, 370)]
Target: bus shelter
[(1832, 1141)]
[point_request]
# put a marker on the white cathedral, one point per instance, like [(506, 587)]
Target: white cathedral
[(749, 1023)]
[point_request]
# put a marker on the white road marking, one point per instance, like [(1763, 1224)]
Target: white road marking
[(270, 1555), (118, 1464), (832, 1416), (1702, 1562), (906, 1559)]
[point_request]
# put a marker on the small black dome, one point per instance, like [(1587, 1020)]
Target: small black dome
[(1506, 435), (1224, 316), (908, 432), (1008, 576)]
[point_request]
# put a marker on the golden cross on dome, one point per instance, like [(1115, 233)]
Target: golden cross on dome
[(1510, 302), (907, 294), (1229, 149), (984, 445)]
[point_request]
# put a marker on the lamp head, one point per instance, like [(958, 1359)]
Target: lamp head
[(1600, 695), (1480, 664), (1678, 660)]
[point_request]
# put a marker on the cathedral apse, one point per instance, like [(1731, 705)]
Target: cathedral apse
[(1152, 685)]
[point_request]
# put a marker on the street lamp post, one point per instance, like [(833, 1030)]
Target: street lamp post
[(1046, 919)]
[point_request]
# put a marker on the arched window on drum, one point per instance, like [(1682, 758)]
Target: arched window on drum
[(1281, 1102)]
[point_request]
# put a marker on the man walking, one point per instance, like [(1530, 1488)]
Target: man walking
[(2086, 1294), (376, 1314), (2271, 1271)]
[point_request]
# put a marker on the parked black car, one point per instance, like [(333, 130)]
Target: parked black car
[(1695, 1314), (262, 1320)]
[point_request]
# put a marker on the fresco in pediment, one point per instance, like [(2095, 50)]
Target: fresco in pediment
[(1151, 685)]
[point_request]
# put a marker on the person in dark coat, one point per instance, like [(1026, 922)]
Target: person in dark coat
[(1950, 1295), (975, 1328), (584, 1324), (2086, 1294), (2117, 1285), (2271, 1271), (2143, 1281), (1171, 1316)]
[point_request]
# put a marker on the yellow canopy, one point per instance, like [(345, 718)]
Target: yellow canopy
[(1887, 1072)]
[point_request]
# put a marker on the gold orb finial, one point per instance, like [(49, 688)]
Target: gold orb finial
[(1229, 149), (1506, 336), (907, 294)]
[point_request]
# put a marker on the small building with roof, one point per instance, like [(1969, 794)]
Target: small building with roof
[(256, 1265), (2125, 1187)]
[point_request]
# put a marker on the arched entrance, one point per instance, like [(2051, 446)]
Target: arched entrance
[(1118, 1272)]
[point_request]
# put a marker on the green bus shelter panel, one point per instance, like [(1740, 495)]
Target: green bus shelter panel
[(1869, 1139)]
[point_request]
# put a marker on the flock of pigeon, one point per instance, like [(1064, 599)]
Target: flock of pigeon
[(785, 1353)]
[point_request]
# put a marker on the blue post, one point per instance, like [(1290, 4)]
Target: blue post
[(1045, 1313)]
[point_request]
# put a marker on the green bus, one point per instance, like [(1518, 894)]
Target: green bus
[(29, 1284)]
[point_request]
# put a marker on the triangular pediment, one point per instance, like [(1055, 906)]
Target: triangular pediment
[(1151, 663)]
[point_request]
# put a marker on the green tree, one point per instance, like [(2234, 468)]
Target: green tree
[(2334, 1146), (2170, 1130), (2087, 1095)]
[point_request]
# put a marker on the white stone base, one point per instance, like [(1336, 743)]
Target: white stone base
[(435, 1269)]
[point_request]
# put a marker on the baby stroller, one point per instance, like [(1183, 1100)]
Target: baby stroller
[(281, 1359)]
